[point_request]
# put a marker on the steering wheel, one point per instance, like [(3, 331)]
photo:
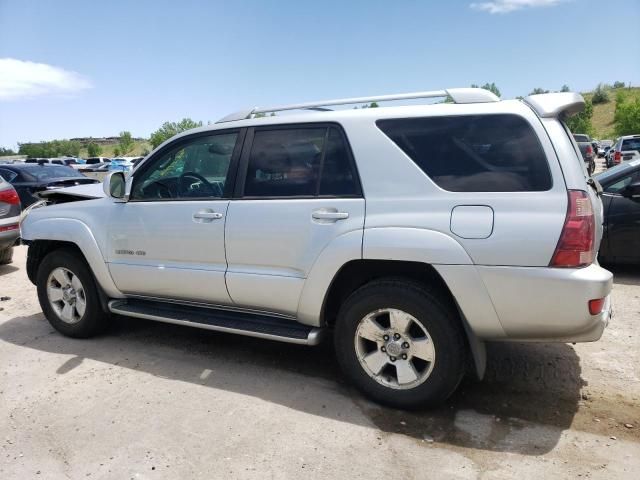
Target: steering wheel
[(185, 188)]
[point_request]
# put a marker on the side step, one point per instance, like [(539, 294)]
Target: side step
[(242, 323)]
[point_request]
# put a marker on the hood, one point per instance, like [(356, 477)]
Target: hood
[(70, 194)]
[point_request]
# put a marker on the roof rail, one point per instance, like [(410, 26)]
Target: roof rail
[(459, 95)]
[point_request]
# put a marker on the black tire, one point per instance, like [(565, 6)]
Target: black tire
[(442, 323), (6, 256), (95, 319)]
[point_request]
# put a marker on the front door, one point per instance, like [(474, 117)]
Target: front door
[(167, 241), (623, 221), (298, 191)]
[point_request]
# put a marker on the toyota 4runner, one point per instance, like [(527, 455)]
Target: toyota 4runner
[(410, 234)]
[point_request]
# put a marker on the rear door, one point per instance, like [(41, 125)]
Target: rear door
[(297, 191)]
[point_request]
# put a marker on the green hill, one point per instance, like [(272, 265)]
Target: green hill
[(603, 113)]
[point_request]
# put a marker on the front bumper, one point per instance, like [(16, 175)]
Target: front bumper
[(549, 304)]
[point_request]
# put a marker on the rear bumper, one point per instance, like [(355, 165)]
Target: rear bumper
[(549, 304)]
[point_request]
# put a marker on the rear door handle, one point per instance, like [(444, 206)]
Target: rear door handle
[(329, 215), (206, 215)]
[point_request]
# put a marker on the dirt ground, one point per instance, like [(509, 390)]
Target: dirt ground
[(157, 401)]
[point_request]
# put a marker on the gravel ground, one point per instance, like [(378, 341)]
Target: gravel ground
[(149, 400)]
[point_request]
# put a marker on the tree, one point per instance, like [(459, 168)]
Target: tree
[(581, 122), (6, 151), (54, 148), (565, 88), (169, 129), (618, 84), (93, 149), (125, 142), (116, 152), (538, 91), (627, 115), (600, 94), (492, 87)]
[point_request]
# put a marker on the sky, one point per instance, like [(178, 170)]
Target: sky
[(75, 68)]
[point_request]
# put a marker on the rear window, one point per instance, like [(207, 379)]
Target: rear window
[(631, 144), (52, 171), (582, 138), (474, 153)]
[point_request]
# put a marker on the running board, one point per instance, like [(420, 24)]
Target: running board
[(241, 323)]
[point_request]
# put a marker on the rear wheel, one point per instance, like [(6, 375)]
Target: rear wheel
[(400, 345), (68, 295), (6, 256)]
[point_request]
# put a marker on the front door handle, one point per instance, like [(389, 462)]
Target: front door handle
[(329, 215), (206, 216)]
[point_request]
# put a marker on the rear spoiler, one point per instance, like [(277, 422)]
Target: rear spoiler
[(559, 105)]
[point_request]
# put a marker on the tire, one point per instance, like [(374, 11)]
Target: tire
[(6, 256), (57, 272), (435, 380)]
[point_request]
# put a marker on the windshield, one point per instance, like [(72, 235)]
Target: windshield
[(49, 172), (631, 144)]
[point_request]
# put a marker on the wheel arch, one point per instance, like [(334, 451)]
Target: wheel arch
[(46, 235), (356, 273)]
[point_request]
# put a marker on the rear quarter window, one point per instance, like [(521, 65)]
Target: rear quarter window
[(474, 153)]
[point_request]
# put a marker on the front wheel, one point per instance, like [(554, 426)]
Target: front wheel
[(68, 295), (400, 344)]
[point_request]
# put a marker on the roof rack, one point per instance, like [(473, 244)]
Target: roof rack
[(459, 95)]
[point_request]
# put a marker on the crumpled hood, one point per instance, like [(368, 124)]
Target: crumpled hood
[(91, 190)]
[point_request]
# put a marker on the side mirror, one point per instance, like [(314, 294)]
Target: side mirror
[(632, 191), (115, 186)]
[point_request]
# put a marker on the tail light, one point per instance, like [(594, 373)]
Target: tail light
[(617, 157), (9, 196), (576, 247), (589, 151)]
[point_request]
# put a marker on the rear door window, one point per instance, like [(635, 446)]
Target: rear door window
[(474, 153), (300, 162)]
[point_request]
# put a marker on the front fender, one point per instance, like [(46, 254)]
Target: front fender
[(77, 232)]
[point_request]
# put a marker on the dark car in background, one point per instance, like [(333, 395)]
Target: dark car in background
[(9, 220), (621, 204), (605, 145), (28, 179), (586, 149)]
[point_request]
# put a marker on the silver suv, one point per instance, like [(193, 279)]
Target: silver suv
[(410, 234)]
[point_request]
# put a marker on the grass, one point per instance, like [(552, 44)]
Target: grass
[(107, 150), (603, 113)]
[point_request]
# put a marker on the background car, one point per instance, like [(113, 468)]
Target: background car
[(626, 148), (95, 160), (605, 145), (586, 148), (29, 179), (9, 220), (621, 203), (120, 164)]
